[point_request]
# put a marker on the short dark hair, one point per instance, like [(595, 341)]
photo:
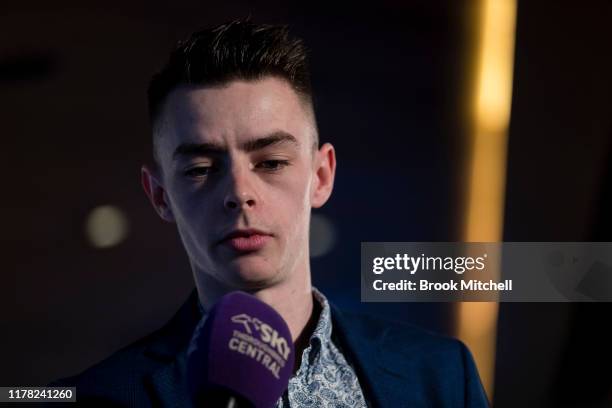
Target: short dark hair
[(232, 51)]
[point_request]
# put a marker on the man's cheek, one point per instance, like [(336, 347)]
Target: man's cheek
[(296, 192)]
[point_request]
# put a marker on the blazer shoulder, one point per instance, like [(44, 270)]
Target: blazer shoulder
[(121, 378), (115, 380), (403, 334), (429, 361)]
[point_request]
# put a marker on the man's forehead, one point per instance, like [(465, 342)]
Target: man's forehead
[(238, 99), (236, 113)]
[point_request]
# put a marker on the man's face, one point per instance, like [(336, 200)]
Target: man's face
[(239, 177)]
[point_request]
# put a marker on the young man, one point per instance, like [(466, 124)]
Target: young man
[(238, 168)]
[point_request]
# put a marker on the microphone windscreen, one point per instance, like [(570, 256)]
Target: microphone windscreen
[(243, 348)]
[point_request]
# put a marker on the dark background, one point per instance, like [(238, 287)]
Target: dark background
[(390, 83)]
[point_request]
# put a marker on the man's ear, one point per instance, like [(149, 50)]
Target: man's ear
[(154, 189), (325, 171)]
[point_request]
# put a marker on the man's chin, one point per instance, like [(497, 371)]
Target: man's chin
[(252, 283), (254, 277), (247, 273)]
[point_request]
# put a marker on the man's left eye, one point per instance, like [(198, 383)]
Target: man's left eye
[(272, 164)]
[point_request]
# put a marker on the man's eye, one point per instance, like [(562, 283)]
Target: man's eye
[(198, 171), (272, 164)]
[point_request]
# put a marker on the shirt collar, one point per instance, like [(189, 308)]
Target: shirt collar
[(323, 330)]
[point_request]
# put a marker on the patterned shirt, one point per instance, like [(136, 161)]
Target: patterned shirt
[(325, 378)]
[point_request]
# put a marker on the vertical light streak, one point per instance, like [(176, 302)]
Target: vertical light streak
[(490, 100)]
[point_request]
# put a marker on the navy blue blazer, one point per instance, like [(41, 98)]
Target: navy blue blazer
[(397, 365)]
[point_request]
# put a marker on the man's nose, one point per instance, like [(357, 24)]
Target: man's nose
[(240, 193)]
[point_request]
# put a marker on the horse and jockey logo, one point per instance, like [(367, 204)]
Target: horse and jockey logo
[(267, 334)]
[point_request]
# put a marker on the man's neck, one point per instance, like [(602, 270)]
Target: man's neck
[(295, 305), (291, 299)]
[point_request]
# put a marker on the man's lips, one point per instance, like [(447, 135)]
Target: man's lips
[(246, 239)]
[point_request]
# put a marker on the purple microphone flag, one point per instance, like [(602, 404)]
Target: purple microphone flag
[(244, 348)]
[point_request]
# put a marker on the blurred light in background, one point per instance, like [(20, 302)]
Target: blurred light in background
[(106, 226), (322, 235), (486, 166)]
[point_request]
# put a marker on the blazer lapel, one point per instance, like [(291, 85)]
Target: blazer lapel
[(168, 383), (365, 346)]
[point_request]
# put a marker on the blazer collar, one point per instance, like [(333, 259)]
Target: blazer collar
[(175, 334)]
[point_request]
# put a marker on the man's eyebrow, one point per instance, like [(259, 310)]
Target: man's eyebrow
[(207, 148), (274, 138), (198, 149)]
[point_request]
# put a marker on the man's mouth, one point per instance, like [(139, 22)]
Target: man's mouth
[(246, 239)]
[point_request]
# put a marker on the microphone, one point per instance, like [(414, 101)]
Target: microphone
[(241, 356)]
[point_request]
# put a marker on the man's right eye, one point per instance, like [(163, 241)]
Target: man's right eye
[(200, 171)]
